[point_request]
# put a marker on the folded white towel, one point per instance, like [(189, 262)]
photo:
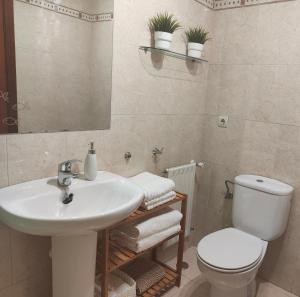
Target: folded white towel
[(145, 243), (151, 206), (153, 186), (144, 228), (116, 286), (159, 201)]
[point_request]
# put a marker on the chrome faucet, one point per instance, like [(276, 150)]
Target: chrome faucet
[(65, 173)]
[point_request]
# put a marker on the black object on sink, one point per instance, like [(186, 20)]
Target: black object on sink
[(68, 198)]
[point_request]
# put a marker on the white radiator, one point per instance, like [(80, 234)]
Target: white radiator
[(184, 178)]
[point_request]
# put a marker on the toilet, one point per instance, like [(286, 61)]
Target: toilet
[(230, 258)]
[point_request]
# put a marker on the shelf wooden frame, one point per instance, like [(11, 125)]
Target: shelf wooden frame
[(113, 256)]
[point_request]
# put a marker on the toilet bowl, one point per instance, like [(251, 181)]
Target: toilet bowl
[(230, 258)]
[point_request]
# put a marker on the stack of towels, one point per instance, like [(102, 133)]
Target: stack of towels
[(157, 190), (143, 234)]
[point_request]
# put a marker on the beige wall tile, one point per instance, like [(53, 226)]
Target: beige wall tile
[(127, 134), (275, 93), (223, 146), (171, 133), (30, 256), (34, 156), (3, 162)]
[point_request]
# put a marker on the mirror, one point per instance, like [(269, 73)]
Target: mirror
[(64, 51)]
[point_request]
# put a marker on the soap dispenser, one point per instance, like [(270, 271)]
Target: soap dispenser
[(90, 164)]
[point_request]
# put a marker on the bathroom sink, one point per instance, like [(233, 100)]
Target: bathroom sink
[(36, 207)]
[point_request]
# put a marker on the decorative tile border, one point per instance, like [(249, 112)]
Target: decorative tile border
[(207, 3), (227, 4), (70, 11)]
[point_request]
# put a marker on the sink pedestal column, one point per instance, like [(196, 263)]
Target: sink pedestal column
[(73, 265)]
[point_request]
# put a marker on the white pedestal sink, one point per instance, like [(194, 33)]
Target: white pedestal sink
[(36, 208)]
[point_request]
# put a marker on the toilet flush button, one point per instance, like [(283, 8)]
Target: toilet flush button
[(259, 180)]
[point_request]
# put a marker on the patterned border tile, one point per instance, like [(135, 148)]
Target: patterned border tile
[(70, 11), (227, 4), (207, 3)]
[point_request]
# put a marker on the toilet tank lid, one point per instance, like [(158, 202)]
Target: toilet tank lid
[(264, 184)]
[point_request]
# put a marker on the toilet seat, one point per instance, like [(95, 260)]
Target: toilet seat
[(230, 250)]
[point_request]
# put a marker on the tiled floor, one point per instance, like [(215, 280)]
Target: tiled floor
[(193, 284)]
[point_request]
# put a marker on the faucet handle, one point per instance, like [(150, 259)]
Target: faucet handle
[(67, 165)]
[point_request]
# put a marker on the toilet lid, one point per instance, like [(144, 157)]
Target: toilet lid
[(230, 249)]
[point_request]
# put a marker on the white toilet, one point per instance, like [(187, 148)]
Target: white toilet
[(230, 258)]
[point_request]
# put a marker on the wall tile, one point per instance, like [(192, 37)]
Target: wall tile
[(127, 134), (275, 97), (30, 256), (222, 146), (3, 162), (171, 133), (258, 147), (34, 156)]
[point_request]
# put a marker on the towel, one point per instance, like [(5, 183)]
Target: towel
[(145, 272), (145, 243), (149, 207), (153, 186), (116, 286), (164, 197), (156, 223), (159, 201)]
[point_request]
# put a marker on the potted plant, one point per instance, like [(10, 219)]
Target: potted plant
[(163, 25), (196, 38)]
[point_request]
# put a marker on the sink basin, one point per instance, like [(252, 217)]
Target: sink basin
[(37, 208)]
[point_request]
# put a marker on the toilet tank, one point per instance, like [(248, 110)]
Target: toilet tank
[(261, 206)]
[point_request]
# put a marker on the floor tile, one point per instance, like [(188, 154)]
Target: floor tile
[(195, 285), (266, 289), (190, 257)]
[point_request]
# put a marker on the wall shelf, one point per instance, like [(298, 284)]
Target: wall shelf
[(147, 49)]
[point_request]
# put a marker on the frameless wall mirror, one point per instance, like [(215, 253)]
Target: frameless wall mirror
[(64, 51)]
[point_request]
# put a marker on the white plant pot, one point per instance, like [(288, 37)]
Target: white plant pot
[(195, 50), (163, 40)]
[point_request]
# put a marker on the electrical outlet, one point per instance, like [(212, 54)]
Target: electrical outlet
[(223, 121)]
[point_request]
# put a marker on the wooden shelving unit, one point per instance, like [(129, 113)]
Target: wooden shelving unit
[(113, 256)]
